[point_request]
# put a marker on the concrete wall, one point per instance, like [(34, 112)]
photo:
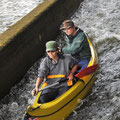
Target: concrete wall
[(24, 42)]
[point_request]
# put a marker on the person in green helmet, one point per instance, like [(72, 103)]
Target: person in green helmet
[(54, 67)]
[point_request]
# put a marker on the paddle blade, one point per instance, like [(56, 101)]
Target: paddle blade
[(87, 71)]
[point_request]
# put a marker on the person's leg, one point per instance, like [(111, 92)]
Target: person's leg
[(83, 63), (48, 95), (62, 90)]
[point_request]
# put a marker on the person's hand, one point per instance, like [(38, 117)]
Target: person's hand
[(70, 76), (34, 91), (70, 79)]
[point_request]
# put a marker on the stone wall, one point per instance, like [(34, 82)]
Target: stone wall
[(24, 42)]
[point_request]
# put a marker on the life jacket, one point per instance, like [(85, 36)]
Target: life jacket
[(69, 82)]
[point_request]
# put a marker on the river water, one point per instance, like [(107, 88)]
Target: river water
[(13, 10), (101, 20)]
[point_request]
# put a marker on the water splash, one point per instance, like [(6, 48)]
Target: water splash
[(13, 10)]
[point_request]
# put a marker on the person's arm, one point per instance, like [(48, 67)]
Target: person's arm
[(70, 76), (42, 71), (38, 83)]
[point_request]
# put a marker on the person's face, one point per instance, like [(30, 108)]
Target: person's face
[(52, 54), (70, 31)]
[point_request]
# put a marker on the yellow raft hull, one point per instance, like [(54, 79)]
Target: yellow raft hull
[(61, 107)]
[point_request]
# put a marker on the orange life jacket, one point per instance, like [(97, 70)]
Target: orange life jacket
[(69, 82)]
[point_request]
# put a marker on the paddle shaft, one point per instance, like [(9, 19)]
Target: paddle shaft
[(54, 84), (49, 86), (82, 73)]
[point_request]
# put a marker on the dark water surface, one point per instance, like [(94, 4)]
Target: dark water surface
[(101, 20)]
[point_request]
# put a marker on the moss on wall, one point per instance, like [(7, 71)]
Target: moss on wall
[(24, 42)]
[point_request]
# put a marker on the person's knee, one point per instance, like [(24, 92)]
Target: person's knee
[(63, 90), (84, 66), (42, 99), (47, 95)]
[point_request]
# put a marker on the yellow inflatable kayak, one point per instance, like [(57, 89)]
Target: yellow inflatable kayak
[(61, 107)]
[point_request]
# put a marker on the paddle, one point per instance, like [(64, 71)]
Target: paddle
[(54, 84), (82, 73), (87, 71)]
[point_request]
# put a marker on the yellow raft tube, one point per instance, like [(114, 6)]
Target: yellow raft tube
[(61, 107)]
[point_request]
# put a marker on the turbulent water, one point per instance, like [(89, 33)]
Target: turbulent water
[(13, 10), (101, 20)]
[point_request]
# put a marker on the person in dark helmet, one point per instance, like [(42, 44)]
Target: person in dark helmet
[(54, 67), (77, 44)]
